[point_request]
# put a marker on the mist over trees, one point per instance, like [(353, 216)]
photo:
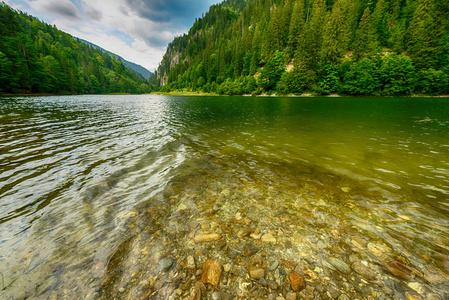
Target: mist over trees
[(356, 47)]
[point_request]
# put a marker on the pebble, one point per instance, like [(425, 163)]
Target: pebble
[(165, 264), (196, 295), (182, 207), (398, 269), (241, 233), (361, 269), (211, 272), (255, 236), (227, 267), (274, 266), (340, 265), (256, 272), (296, 281), (207, 238), (412, 297), (216, 296), (191, 267), (291, 296), (268, 238), (334, 293), (238, 216), (417, 287)]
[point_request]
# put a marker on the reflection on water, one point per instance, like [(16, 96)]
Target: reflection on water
[(107, 196)]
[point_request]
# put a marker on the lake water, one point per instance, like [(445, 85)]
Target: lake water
[(105, 197)]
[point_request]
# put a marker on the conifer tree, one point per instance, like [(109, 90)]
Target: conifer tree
[(336, 35), (424, 36), (296, 26), (365, 44), (310, 44)]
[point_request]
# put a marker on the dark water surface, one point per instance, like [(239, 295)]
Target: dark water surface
[(96, 191)]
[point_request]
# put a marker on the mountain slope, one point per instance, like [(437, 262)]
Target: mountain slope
[(138, 69), (379, 47), (38, 58)]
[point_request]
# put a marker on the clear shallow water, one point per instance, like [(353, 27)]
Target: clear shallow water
[(93, 189)]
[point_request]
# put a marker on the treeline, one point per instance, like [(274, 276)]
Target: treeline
[(357, 47), (38, 58)]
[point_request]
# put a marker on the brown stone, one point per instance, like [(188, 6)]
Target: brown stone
[(207, 238), (412, 297), (363, 270), (296, 281), (241, 233), (398, 269), (191, 267), (211, 272), (256, 272), (196, 295)]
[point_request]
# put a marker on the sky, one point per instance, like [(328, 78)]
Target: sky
[(137, 30)]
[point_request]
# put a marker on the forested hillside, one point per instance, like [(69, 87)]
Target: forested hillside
[(141, 71), (38, 58), (358, 47)]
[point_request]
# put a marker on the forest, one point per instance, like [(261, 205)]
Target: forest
[(38, 58), (350, 47)]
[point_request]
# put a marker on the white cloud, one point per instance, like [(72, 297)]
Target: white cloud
[(140, 36), (137, 51)]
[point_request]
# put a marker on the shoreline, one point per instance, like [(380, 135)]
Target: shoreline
[(191, 93)]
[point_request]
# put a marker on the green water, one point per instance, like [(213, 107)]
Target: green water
[(91, 189)]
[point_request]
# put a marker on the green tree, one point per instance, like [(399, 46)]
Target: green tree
[(272, 72), (398, 74), (361, 78), (336, 35), (296, 26), (306, 56), (365, 44), (424, 36)]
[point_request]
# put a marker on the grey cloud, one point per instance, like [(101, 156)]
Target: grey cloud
[(161, 11), (62, 8), (93, 13), (157, 38), (124, 10)]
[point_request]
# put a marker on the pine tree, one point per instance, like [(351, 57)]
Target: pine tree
[(336, 35), (296, 26), (310, 45), (424, 36), (365, 44)]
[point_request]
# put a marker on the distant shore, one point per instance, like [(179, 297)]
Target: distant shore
[(305, 95), (192, 93)]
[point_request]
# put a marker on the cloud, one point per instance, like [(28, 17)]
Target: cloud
[(137, 30), (169, 11), (63, 8), (93, 13)]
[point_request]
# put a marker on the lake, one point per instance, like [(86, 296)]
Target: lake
[(127, 197)]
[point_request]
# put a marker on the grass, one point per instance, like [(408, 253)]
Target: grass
[(3, 283)]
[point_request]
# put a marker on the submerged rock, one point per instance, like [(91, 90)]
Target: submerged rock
[(339, 265), (256, 272), (363, 270), (268, 238), (296, 281), (398, 269), (165, 264), (207, 238), (211, 272), (191, 267)]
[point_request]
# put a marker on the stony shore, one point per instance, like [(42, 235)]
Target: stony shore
[(219, 237)]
